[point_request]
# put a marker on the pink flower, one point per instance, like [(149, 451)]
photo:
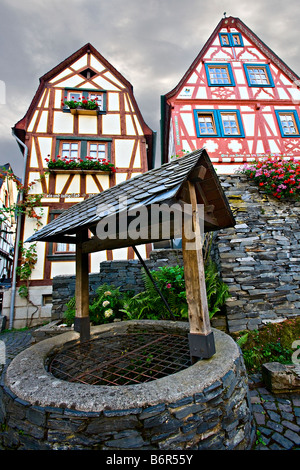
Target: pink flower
[(169, 286)]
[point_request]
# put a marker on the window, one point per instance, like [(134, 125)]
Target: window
[(236, 40), (218, 123), (64, 248), (79, 95), (289, 123), (98, 97), (224, 39), (259, 75), (231, 40), (206, 124), (73, 96), (60, 251), (97, 150), (230, 123), (70, 150), (46, 299), (219, 75)]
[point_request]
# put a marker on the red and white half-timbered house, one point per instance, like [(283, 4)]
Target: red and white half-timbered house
[(112, 130), (238, 99)]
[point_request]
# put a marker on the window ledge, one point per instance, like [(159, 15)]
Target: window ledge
[(79, 171), (62, 257), (83, 112)]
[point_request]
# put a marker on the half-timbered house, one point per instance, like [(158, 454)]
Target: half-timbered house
[(238, 99), (83, 133)]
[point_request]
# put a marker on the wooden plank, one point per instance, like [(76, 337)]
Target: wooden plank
[(82, 320), (194, 271)]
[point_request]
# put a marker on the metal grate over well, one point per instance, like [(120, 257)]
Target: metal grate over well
[(122, 359)]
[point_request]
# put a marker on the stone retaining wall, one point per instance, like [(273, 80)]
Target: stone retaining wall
[(206, 406), (259, 258)]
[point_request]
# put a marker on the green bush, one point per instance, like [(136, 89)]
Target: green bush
[(272, 343), (110, 304)]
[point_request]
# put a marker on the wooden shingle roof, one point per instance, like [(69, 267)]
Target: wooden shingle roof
[(158, 185)]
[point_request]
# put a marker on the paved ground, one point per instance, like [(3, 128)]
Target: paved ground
[(277, 417)]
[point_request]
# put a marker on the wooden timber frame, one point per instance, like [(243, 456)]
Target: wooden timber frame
[(192, 181)]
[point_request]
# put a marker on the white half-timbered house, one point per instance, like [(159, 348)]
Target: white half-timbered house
[(84, 111)]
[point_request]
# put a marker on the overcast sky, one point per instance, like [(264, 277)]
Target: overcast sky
[(150, 42)]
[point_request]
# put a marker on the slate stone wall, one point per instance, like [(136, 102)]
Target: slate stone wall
[(259, 258)]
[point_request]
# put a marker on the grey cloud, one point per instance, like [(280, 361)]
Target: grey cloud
[(151, 42)]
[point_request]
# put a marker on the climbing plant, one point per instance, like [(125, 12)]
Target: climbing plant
[(27, 205)]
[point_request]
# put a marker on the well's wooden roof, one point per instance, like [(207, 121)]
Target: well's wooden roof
[(159, 185)]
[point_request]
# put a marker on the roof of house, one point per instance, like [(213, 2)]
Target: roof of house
[(158, 185), (251, 36)]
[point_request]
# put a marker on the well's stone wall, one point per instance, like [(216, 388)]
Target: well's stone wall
[(205, 406)]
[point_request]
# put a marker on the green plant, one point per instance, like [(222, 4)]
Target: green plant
[(69, 313), (107, 305), (81, 103), (272, 343), (104, 308), (217, 291), (89, 163), (170, 281), (110, 304)]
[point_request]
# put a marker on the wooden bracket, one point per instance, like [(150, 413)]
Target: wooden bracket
[(197, 174)]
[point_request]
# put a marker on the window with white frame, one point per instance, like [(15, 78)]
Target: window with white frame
[(218, 123), (289, 123), (70, 150), (97, 150), (259, 75), (219, 74), (64, 248)]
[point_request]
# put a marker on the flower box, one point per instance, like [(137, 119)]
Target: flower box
[(79, 171), (84, 112)]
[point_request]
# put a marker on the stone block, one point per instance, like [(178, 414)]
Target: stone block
[(280, 378)]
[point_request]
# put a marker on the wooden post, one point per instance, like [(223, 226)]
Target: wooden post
[(201, 338), (82, 318)]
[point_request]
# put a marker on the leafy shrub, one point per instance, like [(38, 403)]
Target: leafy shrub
[(110, 304), (107, 305), (272, 343), (104, 308)]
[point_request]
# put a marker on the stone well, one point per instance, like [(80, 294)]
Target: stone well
[(204, 406)]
